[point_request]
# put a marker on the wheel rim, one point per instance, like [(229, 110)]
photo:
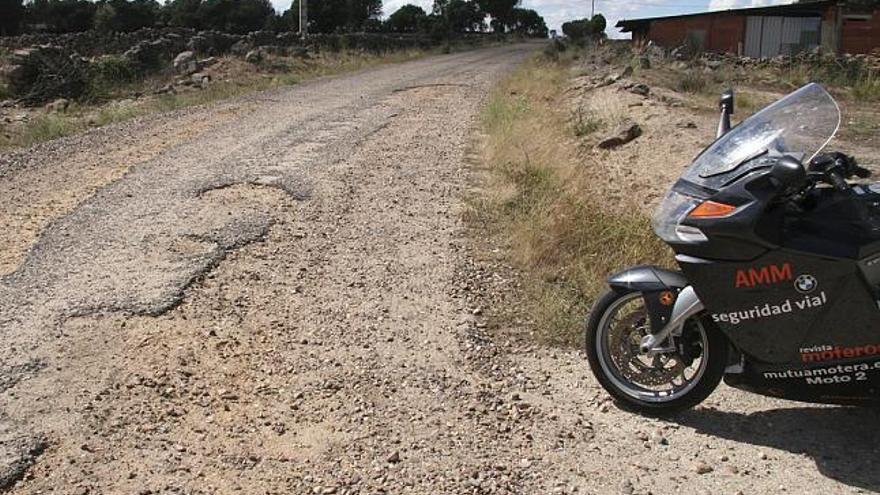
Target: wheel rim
[(659, 378)]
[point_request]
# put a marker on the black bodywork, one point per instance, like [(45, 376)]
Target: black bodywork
[(793, 281)]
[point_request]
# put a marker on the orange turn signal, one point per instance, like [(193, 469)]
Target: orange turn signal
[(711, 209)]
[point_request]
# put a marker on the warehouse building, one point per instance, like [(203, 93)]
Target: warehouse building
[(766, 31)]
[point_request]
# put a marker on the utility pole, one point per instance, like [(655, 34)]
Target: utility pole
[(593, 9), (303, 18)]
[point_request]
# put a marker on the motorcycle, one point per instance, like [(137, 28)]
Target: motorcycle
[(778, 291)]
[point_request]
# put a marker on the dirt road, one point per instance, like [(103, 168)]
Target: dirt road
[(276, 295)]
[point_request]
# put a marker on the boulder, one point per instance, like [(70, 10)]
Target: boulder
[(58, 106), (185, 63), (254, 57), (200, 79), (623, 133), (46, 72), (640, 89)]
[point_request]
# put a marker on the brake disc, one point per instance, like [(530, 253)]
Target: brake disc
[(636, 367)]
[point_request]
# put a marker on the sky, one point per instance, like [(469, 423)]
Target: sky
[(555, 12)]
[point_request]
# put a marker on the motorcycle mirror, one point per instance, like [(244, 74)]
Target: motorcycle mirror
[(789, 172), (726, 105)]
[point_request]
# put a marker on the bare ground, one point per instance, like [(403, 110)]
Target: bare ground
[(277, 295)]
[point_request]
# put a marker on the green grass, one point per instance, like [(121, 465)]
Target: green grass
[(866, 88), (584, 123), (540, 199), (692, 81), (45, 128)]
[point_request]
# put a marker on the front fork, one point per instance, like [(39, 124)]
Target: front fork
[(687, 305)]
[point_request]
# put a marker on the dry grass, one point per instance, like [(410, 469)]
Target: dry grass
[(541, 200)]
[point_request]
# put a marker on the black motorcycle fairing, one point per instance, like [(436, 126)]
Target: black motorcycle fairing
[(648, 278), (659, 288)]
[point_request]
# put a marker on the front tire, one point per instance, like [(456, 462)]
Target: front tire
[(657, 384)]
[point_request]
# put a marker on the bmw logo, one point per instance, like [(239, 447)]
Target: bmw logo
[(806, 284)]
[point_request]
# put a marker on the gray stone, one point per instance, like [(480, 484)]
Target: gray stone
[(185, 62), (58, 106), (18, 452), (254, 57), (640, 89), (623, 133)]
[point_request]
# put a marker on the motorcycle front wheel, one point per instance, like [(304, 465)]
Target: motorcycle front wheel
[(655, 383)]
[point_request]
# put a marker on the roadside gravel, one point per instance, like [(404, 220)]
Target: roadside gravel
[(277, 295)]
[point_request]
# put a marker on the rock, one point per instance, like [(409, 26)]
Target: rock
[(623, 133), (18, 452), (627, 72), (393, 458), (254, 57), (43, 73), (640, 89), (185, 63), (643, 61), (686, 125), (626, 488), (207, 62), (200, 79), (58, 106), (610, 79), (701, 467)]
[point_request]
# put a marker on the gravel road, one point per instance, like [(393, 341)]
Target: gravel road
[(276, 294)]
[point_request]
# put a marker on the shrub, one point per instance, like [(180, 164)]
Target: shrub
[(110, 72), (584, 123), (867, 88), (691, 82)]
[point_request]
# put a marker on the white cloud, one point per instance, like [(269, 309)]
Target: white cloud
[(739, 4)]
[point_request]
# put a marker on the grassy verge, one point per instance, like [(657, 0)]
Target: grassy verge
[(80, 116), (539, 200)]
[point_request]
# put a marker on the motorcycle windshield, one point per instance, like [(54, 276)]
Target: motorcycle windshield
[(800, 124)]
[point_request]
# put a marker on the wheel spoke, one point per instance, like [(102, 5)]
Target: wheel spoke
[(637, 374)]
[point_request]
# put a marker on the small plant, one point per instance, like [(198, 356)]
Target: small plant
[(867, 88), (4, 92), (110, 73), (585, 123), (691, 82)]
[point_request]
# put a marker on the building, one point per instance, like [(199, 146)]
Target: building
[(766, 31)]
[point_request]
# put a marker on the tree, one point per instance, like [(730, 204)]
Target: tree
[(236, 16), (125, 15), (598, 25), (583, 28), (11, 15), (183, 13), (459, 16), (577, 29), (61, 16), (407, 19), (330, 16), (501, 12), (529, 23)]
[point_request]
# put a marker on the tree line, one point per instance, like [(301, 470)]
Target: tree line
[(243, 16)]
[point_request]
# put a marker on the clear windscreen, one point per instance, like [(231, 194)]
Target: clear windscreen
[(800, 124)]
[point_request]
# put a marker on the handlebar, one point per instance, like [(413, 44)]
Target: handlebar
[(836, 179), (834, 168)]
